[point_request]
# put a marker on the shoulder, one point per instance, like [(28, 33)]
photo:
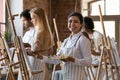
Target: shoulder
[(84, 41), (97, 34), (66, 39), (83, 37), (86, 35)]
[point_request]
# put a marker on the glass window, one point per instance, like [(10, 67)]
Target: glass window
[(109, 28), (2, 16), (108, 7), (95, 8), (112, 7)]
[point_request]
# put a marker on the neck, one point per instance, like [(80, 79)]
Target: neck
[(74, 33), (31, 26)]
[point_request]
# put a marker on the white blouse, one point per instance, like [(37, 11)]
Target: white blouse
[(29, 36), (79, 47)]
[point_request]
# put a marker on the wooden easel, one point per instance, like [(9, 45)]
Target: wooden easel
[(107, 58), (24, 65), (58, 45), (7, 58)]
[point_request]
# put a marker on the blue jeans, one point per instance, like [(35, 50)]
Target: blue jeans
[(58, 75)]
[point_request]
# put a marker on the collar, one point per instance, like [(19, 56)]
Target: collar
[(75, 35)]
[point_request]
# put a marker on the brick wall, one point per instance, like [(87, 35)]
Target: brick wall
[(45, 4), (58, 9)]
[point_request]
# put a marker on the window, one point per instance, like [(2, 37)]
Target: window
[(108, 7), (95, 8), (109, 28), (2, 16), (112, 7), (111, 17)]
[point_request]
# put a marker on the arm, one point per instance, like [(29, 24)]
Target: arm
[(85, 48), (95, 53), (98, 41)]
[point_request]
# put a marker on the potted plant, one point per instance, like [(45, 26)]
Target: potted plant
[(8, 36)]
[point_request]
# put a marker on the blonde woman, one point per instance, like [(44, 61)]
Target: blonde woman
[(43, 42)]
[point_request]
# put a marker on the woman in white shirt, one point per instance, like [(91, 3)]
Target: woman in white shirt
[(96, 39), (76, 50)]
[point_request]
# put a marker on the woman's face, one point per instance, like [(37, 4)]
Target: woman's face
[(74, 24), (33, 18)]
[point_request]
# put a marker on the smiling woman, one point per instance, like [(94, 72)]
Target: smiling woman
[(77, 48)]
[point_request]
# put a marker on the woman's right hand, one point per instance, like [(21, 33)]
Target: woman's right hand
[(27, 45), (29, 52), (35, 54)]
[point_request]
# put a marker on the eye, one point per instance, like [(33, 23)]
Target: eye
[(32, 18), (76, 21), (69, 21)]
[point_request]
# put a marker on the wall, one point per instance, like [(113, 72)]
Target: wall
[(58, 9), (84, 8), (45, 4)]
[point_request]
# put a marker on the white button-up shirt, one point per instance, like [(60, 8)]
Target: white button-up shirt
[(29, 36), (78, 47)]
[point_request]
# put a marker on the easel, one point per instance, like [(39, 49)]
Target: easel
[(107, 58), (58, 45), (24, 65), (7, 58), (115, 50)]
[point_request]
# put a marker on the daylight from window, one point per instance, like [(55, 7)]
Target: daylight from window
[(2, 16), (108, 7), (109, 28)]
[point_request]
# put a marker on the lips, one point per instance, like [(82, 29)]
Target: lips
[(72, 27)]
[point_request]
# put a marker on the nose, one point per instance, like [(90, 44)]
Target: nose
[(32, 21), (72, 23), (23, 22)]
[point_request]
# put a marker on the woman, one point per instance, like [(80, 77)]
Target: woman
[(43, 42), (94, 36), (75, 52), (43, 37), (96, 41)]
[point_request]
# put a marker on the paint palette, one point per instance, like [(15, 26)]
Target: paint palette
[(63, 56)]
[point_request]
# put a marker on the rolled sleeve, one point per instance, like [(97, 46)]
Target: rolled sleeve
[(51, 61)]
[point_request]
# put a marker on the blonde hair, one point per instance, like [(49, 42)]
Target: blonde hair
[(44, 34), (40, 14)]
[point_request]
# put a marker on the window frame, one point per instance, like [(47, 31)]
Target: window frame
[(115, 18)]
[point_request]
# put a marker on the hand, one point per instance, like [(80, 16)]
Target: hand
[(35, 54), (27, 45), (68, 59), (29, 52), (39, 56), (95, 53)]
